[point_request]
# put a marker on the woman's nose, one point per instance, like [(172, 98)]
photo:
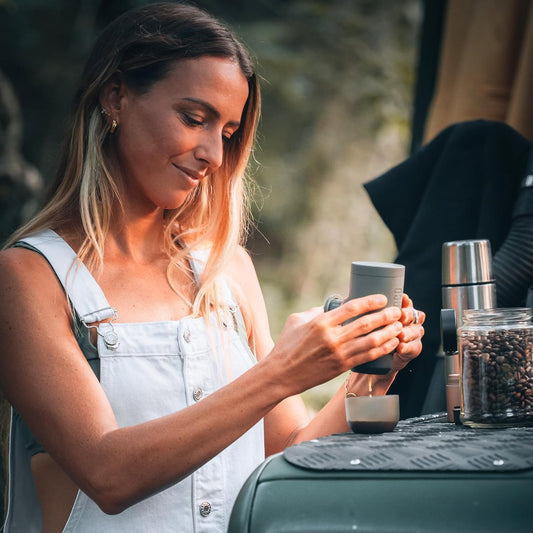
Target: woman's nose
[(211, 150)]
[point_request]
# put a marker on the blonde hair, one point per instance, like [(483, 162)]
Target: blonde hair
[(140, 47)]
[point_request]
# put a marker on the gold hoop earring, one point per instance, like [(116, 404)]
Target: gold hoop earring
[(114, 125)]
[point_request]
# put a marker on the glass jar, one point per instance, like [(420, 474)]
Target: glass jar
[(496, 355)]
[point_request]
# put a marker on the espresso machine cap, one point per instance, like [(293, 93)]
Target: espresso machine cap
[(377, 270)]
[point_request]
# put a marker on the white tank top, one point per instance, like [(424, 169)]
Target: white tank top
[(148, 370)]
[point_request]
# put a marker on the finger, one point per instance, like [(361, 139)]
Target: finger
[(419, 317), (371, 322), (406, 301), (404, 354), (409, 350), (410, 315), (367, 351), (411, 333), (306, 316), (356, 307), (375, 343)]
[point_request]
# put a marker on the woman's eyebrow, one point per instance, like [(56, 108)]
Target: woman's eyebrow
[(213, 110)]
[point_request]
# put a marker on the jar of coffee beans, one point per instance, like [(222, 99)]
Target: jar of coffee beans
[(496, 355)]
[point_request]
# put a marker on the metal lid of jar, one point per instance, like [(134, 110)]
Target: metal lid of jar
[(498, 316)]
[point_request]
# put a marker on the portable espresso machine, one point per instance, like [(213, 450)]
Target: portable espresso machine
[(367, 277)]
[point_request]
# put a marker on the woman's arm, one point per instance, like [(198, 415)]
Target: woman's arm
[(46, 377), (288, 422)]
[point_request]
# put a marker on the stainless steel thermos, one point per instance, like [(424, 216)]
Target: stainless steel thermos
[(467, 283), (467, 279)]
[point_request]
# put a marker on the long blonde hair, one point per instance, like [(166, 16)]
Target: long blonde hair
[(141, 46)]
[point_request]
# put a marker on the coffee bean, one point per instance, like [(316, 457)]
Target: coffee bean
[(498, 375)]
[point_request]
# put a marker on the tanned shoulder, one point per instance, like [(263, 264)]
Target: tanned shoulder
[(27, 282)]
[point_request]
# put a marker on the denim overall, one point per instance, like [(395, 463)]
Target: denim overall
[(147, 370)]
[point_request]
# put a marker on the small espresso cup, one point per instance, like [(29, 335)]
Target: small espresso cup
[(372, 414)]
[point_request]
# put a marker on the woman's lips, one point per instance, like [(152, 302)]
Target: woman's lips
[(197, 176)]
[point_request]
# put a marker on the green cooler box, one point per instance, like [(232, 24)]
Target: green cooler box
[(426, 476)]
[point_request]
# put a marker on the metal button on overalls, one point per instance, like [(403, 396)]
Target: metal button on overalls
[(205, 508), (187, 336), (197, 394)]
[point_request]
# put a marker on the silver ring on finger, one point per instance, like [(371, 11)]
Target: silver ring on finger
[(416, 316)]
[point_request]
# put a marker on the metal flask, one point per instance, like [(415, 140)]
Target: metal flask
[(467, 282)]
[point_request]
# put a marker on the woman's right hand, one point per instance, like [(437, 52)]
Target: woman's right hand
[(316, 346)]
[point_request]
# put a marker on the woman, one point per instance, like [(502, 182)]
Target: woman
[(137, 405)]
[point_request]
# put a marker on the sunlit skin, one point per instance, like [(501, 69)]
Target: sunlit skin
[(167, 141), (173, 136)]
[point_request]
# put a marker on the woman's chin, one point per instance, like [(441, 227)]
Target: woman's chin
[(174, 203)]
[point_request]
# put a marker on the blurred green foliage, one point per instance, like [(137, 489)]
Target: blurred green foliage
[(337, 81)]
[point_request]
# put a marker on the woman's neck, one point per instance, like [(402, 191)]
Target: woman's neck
[(140, 240)]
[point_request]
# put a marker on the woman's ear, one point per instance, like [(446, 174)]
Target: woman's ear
[(110, 98)]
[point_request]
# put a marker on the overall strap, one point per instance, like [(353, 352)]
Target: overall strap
[(198, 262), (82, 289)]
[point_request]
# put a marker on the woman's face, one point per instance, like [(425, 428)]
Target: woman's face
[(173, 136)]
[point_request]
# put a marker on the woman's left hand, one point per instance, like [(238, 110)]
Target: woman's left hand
[(411, 335)]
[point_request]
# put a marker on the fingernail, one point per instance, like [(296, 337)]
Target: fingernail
[(394, 313), (380, 299)]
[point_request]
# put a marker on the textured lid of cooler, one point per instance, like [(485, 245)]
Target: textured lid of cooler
[(425, 443)]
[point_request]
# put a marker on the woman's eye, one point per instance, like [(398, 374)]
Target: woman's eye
[(191, 121)]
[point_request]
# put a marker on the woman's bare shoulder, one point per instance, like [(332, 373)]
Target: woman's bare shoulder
[(247, 290), (241, 259), (16, 262), (25, 274), (241, 272)]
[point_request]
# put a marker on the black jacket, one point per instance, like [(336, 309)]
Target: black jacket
[(462, 185)]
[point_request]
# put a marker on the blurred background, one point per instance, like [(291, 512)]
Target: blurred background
[(350, 88), (337, 81)]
